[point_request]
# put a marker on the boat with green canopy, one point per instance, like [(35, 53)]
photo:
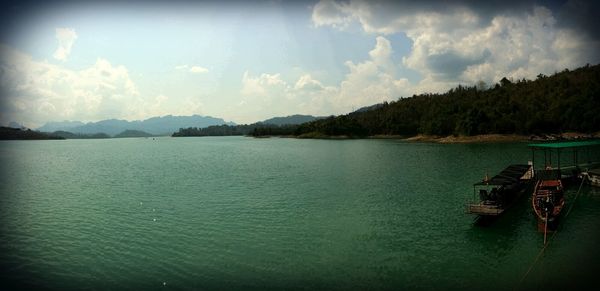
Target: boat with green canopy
[(548, 198)]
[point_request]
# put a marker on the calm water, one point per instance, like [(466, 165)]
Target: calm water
[(230, 213)]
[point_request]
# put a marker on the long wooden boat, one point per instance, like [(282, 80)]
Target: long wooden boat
[(548, 201), (493, 196)]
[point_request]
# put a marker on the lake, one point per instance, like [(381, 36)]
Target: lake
[(246, 213)]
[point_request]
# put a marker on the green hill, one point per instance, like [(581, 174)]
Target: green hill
[(8, 133), (565, 101)]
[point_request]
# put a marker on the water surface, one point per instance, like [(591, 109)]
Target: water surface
[(234, 212)]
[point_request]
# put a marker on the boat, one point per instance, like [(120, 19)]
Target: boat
[(494, 196), (592, 177), (548, 200)]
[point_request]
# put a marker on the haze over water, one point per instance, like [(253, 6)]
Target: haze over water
[(235, 212)]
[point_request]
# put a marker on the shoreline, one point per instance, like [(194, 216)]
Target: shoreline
[(459, 139), (481, 138), (503, 138)]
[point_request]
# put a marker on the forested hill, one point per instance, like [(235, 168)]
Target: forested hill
[(7, 133), (565, 101)]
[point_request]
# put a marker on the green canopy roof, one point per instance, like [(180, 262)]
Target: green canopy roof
[(511, 175), (568, 144)]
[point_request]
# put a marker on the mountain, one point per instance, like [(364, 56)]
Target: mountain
[(133, 133), (156, 125), (291, 120), (60, 125), (14, 124), (70, 135)]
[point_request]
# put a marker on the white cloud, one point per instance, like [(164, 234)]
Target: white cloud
[(198, 70), (268, 95), (262, 85), (456, 45), (181, 67), (382, 52), (66, 38), (374, 80), (262, 96), (371, 81), (37, 91), (141, 108), (192, 69), (306, 82)]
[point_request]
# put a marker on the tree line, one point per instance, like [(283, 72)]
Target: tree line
[(9, 133)]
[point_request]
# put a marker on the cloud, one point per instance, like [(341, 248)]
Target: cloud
[(263, 96), (262, 85), (331, 13), (267, 95), (372, 81), (37, 91), (66, 38), (306, 82), (192, 69), (198, 70), (464, 42)]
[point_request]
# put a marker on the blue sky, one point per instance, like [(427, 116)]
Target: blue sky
[(246, 62)]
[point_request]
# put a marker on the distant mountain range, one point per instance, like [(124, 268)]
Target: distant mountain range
[(60, 126), (291, 120), (165, 125), (270, 126)]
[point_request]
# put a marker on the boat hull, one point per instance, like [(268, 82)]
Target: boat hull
[(548, 202)]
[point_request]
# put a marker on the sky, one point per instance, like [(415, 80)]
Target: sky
[(253, 60)]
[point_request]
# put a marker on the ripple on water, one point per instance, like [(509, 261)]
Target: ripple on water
[(229, 213)]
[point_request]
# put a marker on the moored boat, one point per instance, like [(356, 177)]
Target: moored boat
[(493, 196), (548, 201)]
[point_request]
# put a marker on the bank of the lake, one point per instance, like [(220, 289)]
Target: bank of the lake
[(481, 138)]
